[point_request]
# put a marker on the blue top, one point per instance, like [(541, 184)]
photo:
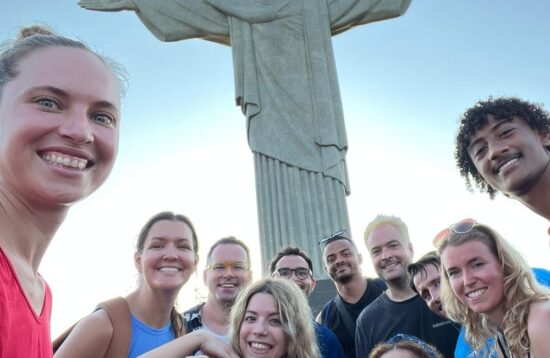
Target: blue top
[(145, 338), (328, 343)]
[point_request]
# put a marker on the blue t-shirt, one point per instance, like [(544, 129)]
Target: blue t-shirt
[(145, 338), (328, 343)]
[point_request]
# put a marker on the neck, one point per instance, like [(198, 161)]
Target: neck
[(399, 290), (216, 316), (537, 198), (27, 229), (352, 291), (152, 307)]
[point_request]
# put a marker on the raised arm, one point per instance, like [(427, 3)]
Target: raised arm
[(107, 5), (538, 328), (189, 343)]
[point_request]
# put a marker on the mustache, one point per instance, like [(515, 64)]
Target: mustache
[(503, 158)]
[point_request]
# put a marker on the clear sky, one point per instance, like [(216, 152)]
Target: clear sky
[(183, 147)]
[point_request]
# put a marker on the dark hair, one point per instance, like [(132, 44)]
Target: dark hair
[(175, 317), (431, 258), (411, 344), (475, 118), (37, 37), (289, 251), (230, 240)]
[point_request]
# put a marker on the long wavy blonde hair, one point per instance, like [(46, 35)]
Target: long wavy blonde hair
[(520, 291), (294, 312)]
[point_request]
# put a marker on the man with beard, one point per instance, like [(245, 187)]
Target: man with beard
[(399, 309), (354, 292), (293, 264), (227, 272)]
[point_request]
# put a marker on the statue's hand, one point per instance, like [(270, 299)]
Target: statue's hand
[(107, 5)]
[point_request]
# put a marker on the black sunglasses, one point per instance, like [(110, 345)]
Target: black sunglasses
[(338, 235)]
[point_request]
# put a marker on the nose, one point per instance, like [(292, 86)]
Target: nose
[(386, 254), (468, 278), (77, 127), (259, 328), (496, 148), (170, 252)]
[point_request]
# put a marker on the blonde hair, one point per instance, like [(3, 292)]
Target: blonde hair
[(386, 220), (294, 311), (520, 291)]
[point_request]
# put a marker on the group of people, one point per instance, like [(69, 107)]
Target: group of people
[(475, 296)]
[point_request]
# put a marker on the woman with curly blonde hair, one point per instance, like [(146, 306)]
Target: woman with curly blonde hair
[(489, 288), (272, 318)]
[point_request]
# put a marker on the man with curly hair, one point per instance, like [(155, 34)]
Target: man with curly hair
[(503, 144)]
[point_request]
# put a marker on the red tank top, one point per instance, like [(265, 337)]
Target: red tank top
[(22, 332)]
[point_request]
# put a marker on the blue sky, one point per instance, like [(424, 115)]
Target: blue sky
[(404, 84)]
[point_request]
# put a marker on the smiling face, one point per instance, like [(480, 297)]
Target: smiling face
[(224, 285), (261, 333), (510, 155), (294, 262), (59, 122), (342, 261), (476, 278), (390, 253), (168, 257), (427, 284)]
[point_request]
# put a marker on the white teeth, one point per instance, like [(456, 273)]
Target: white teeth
[(169, 269), (259, 345), (507, 164), (476, 293), (66, 161)]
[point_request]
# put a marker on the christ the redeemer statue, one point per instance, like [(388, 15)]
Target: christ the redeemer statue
[(286, 85)]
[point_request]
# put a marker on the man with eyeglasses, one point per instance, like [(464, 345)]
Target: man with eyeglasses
[(227, 272), (354, 292), (293, 264), (399, 309)]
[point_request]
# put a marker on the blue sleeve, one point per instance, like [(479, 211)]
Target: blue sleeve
[(328, 343), (542, 276)]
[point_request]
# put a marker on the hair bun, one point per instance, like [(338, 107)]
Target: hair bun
[(33, 30)]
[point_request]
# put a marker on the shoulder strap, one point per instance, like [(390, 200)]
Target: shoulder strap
[(346, 317), (119, 313)]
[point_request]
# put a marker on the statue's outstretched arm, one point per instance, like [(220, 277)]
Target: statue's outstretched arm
[(107, 5)]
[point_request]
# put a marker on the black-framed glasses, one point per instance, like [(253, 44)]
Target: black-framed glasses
[(301, 272), (338, 235), (462, 227)]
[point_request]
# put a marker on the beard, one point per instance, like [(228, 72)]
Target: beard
[(343, 278)]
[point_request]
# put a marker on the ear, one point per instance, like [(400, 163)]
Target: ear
[(360, 256), (412, 249), (204, 273), (137, 261), (313, 284), (545, 138)]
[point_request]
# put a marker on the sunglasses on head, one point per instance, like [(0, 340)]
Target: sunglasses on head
[(338, 235), (462, 227)]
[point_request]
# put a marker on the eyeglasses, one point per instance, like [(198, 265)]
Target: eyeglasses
[(462, 227), (301, 272), (338, 235), (222, 267), (406, 338)]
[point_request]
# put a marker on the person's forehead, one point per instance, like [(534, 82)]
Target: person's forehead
[(423, 277), (384, 234), (337, 246), (291, 261), (228, 252)]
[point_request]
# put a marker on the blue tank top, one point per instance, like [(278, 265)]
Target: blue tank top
[(145, 338)]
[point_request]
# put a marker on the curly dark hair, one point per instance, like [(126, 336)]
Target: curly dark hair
[(475, 118)]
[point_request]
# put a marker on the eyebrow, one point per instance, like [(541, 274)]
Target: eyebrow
[(493, 129)]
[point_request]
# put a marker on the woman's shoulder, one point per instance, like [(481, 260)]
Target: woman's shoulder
[(90, 337), (538, 327)]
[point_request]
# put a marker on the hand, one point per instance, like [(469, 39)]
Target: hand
[(215, 348), (107, 5)]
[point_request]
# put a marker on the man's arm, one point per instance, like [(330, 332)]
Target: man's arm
[(107, 5)]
